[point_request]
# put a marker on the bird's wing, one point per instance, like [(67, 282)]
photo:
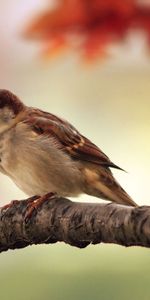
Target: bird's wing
[(68, 138)]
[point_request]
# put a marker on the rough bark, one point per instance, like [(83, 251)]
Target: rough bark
[(77, 224)]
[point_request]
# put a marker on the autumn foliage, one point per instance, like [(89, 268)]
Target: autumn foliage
[(89, 26)]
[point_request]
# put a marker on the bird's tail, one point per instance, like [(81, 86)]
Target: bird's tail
[(106, 187)]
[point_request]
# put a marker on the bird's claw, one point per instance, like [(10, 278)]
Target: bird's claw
[(36, 202), (9, 205)]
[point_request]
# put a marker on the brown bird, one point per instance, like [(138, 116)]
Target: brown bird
[(42, 153)]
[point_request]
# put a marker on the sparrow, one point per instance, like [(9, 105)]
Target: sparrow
[(43, 153)]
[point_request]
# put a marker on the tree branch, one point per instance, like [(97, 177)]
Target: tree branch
[(77, 224)]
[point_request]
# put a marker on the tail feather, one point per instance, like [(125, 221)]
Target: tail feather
[(117, 194), (106, 187), (124, 198)]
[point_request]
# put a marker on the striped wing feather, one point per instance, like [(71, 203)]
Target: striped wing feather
[(69, 139)]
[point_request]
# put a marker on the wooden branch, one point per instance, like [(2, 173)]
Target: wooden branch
[(77, 224)]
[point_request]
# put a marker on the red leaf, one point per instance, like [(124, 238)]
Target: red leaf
[(88, 25)]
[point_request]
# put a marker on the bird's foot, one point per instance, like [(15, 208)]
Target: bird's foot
[(15, 202), (36, 202), (9, 205), (33, 199)]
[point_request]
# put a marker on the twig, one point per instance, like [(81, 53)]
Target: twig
[(77, 224)]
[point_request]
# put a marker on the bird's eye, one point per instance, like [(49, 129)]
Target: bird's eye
[(8, 116)]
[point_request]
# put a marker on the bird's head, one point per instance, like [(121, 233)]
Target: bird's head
[(10, 108)]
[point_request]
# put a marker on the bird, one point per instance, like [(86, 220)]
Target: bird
[(43, 153)]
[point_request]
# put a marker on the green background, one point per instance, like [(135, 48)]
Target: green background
[(109, 102), (63, 272)]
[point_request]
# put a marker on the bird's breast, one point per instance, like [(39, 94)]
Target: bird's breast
[(37, 166)]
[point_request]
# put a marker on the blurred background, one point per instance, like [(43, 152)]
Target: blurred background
[(88, 62)]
